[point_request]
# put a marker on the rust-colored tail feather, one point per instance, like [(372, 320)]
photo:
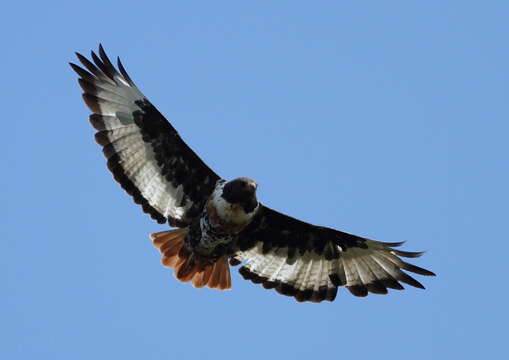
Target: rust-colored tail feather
[(225, 281), (202, 278), (186, 270), (175, 254)]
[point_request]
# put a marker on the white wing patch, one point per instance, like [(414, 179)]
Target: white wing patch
[(309, 271), (373, 268), (115, 99), (138, 161)]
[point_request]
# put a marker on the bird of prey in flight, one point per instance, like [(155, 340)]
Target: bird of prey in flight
[(220, 223)]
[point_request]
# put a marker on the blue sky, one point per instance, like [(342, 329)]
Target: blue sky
[(384, 119)]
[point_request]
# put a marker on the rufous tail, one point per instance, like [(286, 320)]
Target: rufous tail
[(175, 254)]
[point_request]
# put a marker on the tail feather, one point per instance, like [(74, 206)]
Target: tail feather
[(163, 237), (175, 254), (224, 278), (203, 277), (198, 279), (215, 277), (187, 270)]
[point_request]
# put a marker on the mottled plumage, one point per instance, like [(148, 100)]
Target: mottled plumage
[(221, 223)]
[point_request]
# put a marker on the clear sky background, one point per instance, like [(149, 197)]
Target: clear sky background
[(387, 119)]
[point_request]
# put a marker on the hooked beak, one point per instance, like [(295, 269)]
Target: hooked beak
[(253, 185)]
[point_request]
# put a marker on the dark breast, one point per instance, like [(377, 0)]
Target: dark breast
[(209, 243)]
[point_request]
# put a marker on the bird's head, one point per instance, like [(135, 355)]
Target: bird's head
[(241, 191)]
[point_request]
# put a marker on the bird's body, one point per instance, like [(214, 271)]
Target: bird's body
[(213, 236), (221, 222), (214, 232)]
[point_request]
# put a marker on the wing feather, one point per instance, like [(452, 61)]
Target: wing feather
[(326, 259), (144, 152)]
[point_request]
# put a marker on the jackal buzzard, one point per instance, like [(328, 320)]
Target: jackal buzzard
[(221, 223)]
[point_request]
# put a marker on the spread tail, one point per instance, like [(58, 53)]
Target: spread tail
[(175, 254)]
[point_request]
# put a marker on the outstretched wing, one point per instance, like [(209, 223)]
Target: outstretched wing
[(310, 262), (145, 153)]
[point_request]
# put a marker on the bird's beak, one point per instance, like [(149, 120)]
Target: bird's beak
[(253, 185)]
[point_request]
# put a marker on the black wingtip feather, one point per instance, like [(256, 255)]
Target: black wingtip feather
[(408, 254), (304, 295), (416, 269), (104, 69), (92, 102), (285, 289), (101, 51), (111, 71), (336, 280), (82, 72), (123, 72), (104, 57), (101, 138), (90, 66), (391, 283), (270, 285), (331, 294), (358, 290), (319, 296), (392, 244), (407, 279), (245, 273), (97, 122), (87, 86), (377, 287)]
